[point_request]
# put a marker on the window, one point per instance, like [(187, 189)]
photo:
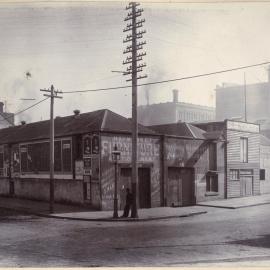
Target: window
[(244, 149), (1, 163), (212, 156), (262, 174), (212, 183), (234, 175), (66, 155), (35, 157), (16, 159)]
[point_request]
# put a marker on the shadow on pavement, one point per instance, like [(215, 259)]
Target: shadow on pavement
[(262, 241)]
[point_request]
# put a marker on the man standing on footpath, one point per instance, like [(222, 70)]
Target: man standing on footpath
[(129, 201)]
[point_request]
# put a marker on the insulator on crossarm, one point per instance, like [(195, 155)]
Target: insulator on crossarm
[(142, 77), (127, 40), (141, 43), (140, 21), (141, 32), (131, 4), (129, 47), (141, 54)]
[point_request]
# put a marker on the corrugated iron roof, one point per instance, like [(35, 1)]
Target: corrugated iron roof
[(101, 120), (180, 129)]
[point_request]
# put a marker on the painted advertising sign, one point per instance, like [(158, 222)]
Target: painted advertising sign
[(79, 169), (87, 166), (242, 126), (148, 148), (95, 144), (185, 152), (87, 145)]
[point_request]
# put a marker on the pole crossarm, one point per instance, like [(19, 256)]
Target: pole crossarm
[(131, 27), (131, 4)]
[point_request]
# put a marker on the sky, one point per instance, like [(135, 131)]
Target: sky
[(77, 45)]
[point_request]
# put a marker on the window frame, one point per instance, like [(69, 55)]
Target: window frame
[(62, 171), (212, 187), (262, 174), (244, 149), (234, 172)]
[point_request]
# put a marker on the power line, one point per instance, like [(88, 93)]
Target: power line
[(4, 119), (169, 80)]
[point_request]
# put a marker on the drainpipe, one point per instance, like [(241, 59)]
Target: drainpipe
[(225, 167)]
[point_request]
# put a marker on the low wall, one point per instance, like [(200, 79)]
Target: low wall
[(70, 191)]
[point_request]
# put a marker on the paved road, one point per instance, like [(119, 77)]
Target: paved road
[(240, 237)]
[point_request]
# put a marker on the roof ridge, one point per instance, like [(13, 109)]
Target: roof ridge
[(105, 116), (188, 127)]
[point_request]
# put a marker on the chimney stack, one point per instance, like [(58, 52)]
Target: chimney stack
[(1, 107), (76, 112), (175, 96)]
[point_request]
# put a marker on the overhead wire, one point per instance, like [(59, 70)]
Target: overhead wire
[(169, 80), (33, 105)]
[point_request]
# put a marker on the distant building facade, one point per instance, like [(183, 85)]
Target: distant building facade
[(173, 112), (237, 101), (6, 119)]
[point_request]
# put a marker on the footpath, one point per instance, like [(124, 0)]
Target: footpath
[(235, 203), (64, 211)]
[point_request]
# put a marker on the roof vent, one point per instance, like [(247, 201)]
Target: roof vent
[(76, 112), (23, 122)]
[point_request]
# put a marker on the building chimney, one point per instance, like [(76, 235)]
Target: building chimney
[(1, 107), (175, 95), (76, 112), (23, 123)]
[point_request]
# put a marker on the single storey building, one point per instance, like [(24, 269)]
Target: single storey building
[(178, 164)]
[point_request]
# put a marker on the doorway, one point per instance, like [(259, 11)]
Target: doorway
[(180, 186), (246, 185), (144, 186)]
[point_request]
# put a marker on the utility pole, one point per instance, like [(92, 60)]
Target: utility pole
[(245, 96), (133, 69), (52, 95)]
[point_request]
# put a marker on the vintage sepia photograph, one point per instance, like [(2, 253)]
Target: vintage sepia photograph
[(134, 134)]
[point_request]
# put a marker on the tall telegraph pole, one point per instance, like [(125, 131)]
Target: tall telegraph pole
[(133, 69), (52, 95)]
